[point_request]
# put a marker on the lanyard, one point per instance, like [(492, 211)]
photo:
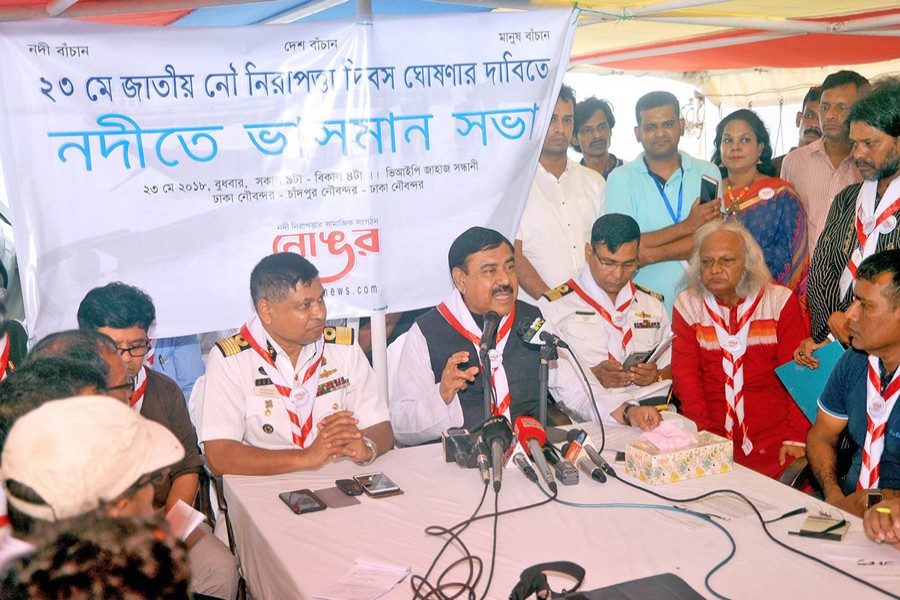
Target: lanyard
[(676, 217)]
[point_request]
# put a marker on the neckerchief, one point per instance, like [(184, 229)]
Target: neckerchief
[(298, 401), (871, 222), (620, 337), (732, 335), (878, 409), (454, 310)]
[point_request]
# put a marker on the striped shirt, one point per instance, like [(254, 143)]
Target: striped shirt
[(817, 182)]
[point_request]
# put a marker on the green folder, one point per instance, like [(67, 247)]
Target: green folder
[(806, 385)]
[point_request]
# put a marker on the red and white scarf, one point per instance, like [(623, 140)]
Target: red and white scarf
[(878, 410), (619, 336), (871, 222), (732, 334), (298, 400), (140, 386), (454, 310), (4, 355)]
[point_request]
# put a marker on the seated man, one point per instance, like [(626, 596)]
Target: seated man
[(125, 313), (732, 327), (285, 394), (861, 393), (106, 463), (441, 383), (605, 317)]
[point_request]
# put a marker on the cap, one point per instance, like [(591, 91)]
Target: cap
[(77, 452)]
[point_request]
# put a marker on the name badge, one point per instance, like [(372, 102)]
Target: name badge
[(266, 390), (587, 318)]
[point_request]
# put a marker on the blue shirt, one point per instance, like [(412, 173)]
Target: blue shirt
[(631, 190), (179, 358), (844, 397)]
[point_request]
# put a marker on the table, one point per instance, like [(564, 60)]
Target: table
[(288, 556)]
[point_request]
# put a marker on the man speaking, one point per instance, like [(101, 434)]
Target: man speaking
[(440, 380)]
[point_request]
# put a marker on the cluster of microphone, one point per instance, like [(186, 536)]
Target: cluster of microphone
[(499, 444)]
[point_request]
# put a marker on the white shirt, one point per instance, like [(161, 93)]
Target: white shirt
[(419, 414), (557, 221), (583, 329), (234, 407)]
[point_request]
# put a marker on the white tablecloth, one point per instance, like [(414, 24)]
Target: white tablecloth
[(287, 556)]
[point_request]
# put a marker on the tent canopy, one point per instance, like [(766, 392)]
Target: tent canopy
[(736, 51)]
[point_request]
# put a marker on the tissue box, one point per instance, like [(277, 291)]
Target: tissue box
[(713, 454)]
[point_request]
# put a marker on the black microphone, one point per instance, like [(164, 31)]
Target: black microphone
[(497, 435), (481, 461), (489, 330), (554, 340), (599, 461), (525, 467)]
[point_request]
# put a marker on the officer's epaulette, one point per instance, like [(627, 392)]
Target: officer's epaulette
[(232, 345), (557, 292), (339, 335), (650, 292)]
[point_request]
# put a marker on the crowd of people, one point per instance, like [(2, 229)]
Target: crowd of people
[(616, 258)]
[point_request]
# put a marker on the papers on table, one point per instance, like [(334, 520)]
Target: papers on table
[(367, 580), (805, 385)]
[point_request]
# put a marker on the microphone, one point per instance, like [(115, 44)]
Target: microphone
[(481, 461), (576, 438), (553, 340), (489, 330), (525, 467), (599, 461), (588, 468), (532, 436), (496, 434), (536, 334)]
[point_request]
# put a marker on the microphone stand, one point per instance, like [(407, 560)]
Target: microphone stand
[(548, 353), (486, 386)]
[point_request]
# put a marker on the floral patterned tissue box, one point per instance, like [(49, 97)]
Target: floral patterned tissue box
[(712, 454)]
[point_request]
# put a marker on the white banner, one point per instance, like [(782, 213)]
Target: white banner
[(174, 159)]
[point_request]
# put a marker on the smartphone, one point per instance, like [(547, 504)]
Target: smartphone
[(377, 485), (620, 456), (350, 487), (302, 501), (636, 358), (709, 189)]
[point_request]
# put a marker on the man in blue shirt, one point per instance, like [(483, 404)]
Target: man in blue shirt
[(862, 392), (660, 189)]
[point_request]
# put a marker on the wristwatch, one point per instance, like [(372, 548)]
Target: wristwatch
[(371, 446), (625, 414)]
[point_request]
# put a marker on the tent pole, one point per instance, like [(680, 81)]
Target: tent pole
[(379, 349)]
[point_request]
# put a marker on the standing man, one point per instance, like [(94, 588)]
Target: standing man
[(564, 202), (441, 385), (861, 394), (661, 190), (286, 393), (807, 122), (862, 219), (594, 122), (125, 313), (821, 169), (605, 317)]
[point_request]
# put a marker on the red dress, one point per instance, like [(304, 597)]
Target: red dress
[(771, 415)]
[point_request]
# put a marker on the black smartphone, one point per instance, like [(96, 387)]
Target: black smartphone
[(351, 487), (709, 189), (377, 485), (302, 501)]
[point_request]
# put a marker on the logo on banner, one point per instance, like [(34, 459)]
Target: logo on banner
[(341, 244)]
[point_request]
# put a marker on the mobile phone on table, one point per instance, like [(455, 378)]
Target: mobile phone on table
[(350, 487), (377, 485), (302, 501), (709, 189)]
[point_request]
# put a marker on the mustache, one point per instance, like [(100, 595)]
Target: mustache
[(813, 130), (502, 289), (599, 142)]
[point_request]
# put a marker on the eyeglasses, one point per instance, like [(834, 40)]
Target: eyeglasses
[(135, 351), (611, 265), (155, 479), (128, 385)]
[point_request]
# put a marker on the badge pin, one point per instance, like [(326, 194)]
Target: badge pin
[(732, 344), (888, 225), (767, 193), (619, 319), (299, 395), (877, 406), (868, 226), (496, 358), (268, 428), (268, 412)]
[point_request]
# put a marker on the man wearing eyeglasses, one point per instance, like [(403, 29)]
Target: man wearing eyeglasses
[(125, 313), (605, 317), (594, 122)]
